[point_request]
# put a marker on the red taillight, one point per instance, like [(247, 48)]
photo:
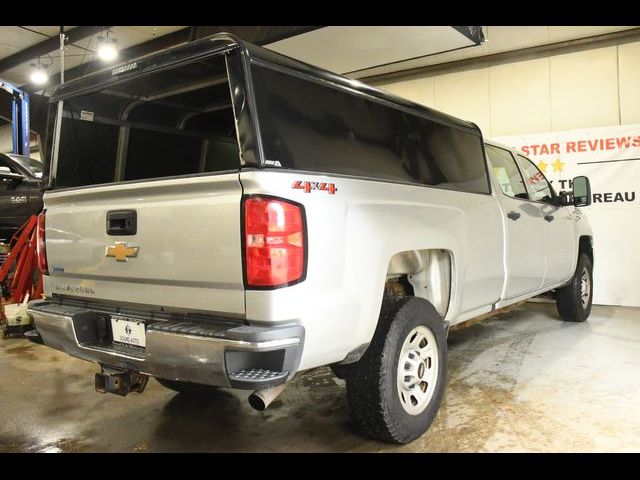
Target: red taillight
[(274, 242), (40, 245)]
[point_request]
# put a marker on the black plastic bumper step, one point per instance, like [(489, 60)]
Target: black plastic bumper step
[(34, 336), (258, 375)]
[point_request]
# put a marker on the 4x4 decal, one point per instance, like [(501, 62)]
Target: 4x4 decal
[(308, 187)]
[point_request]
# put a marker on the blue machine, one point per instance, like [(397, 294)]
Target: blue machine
[(19, 118)]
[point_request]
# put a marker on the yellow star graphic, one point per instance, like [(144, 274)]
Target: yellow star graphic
[(558, 165), (542, 166)]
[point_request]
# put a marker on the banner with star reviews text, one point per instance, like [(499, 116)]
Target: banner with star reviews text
[(610, 157)]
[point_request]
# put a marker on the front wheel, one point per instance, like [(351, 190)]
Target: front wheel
[(394, 391), (574, 299)]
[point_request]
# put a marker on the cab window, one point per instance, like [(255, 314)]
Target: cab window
[(539, 188), (5, 162), (506, 172), (7, 183)]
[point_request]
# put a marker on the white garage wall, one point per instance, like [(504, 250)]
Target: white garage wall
[(6, 142), (6, 138), (588, 88), (629, 63)]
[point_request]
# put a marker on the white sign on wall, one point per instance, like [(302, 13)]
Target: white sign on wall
[(610, 157)]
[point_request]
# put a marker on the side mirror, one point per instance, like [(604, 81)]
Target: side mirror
[(581, 192), (9, 178), (564, 199)]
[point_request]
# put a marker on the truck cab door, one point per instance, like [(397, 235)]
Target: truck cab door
[(559, 225), (523, 225)]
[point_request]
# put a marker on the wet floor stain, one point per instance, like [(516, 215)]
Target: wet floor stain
[(517, 382), (30, 445)]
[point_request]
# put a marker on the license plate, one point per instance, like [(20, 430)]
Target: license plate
[(128, 331)]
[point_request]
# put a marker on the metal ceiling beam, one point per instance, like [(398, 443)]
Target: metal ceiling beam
[(257, 35), (47, 46), (565, 46)]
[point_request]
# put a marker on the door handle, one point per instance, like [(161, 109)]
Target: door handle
[(513, 215), (122, 222), (548, 218)]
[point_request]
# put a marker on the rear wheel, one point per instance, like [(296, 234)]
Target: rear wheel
[(394, 391), (187, 387), (574, 300)]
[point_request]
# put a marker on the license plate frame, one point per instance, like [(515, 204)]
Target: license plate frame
[(129, 331)]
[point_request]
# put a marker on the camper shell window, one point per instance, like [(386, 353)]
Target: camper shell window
[(179, 120), (310, 125), (175, 121)]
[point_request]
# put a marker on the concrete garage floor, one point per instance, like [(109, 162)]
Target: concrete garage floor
[(522, 381)]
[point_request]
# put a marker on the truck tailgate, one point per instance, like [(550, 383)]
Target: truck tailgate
[(188, 240)]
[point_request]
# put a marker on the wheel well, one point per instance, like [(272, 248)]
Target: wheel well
[(586, 246), (422, 273)]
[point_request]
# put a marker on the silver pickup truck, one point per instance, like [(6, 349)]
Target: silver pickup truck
[(221, 215)]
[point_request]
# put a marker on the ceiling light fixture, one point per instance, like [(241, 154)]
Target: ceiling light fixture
[(107, 48), (39, 75)]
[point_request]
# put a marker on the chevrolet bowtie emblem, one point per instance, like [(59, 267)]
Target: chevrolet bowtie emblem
[(121, 252)]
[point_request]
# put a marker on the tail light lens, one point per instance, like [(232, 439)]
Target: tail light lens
[(274, 242), (40, 245)]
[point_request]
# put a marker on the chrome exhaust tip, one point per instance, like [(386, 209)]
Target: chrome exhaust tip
[(261, 399)]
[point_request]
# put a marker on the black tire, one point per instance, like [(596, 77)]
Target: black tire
[(372, 389), (569, 297), (187, 387)]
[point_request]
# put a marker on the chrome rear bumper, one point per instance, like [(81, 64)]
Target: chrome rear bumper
[(218, 354)]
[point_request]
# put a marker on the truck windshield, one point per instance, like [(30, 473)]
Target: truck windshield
[(171, 122)]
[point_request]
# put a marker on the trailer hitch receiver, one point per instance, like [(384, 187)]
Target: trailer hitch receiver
[(120, 382)]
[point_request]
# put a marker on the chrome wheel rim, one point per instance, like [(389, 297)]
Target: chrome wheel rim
[(585, 288), (417, 370)]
